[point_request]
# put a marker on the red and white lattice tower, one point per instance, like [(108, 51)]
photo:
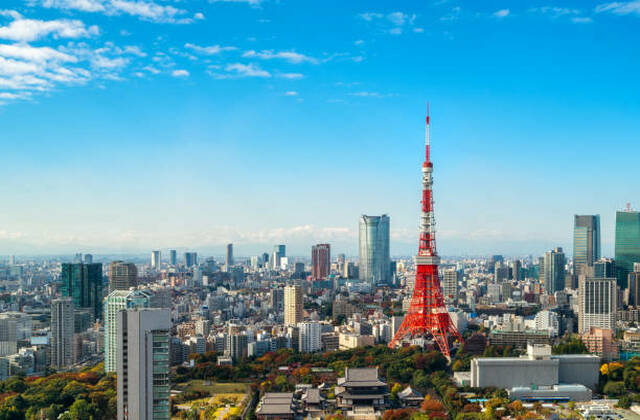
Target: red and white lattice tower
[(427, 315)]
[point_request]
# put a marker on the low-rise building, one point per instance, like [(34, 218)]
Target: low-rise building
[(361, 388)]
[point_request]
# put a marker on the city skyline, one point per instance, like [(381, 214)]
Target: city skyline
[(247, 87)]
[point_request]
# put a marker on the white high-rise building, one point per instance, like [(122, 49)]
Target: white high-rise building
[(62, 332), (449, 285), (597, 303), (155, 260), (293, 305), (117, 301), (309, 337), (547, 321), (14, 326), (143, 364)]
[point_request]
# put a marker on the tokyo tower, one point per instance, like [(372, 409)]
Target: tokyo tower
[(427, 315)]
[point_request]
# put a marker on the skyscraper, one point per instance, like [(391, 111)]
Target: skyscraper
[(604, 268), (155, 260), (374, 249), (87, 259), (553, 273), (173, 257), (143, 364), (228, 259), (450, 285), (627, 249), (83, 283), (62, 326), (320, 261), (122, 275), (633, 289), (116, 301), (293, 305), (586, 242), (190, 259), (279, 252), (596, 303), (309, 337)]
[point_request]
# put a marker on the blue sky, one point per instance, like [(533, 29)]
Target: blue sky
[(127, 125)]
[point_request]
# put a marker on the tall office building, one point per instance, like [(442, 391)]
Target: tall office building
[(228, 258), (597, 302), (173, 257), (320, 261), (309, 337), (116, 301), (293, 305), (516, 267), (586, 243), (87, 259), (155, 260), (449, 285), (122, 275), (143, 364), (633, 289), (190, 259), (14, 327), (374, 249), (553, 273), (62, 327), (83, 283), (604, 268), (279, 252), (627, 249)]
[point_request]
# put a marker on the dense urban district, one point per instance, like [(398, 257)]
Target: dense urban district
[(360, 338), (278, 337)]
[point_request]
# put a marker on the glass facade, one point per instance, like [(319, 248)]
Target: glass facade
[(375, 261), (83, 283), (627, 244), (160, 350), (586, 242)]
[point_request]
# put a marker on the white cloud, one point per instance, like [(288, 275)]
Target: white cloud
[(242, 70), (581, 19), (34, 54), (27, 30), (180, 73), (501, 13), (291, 93), (249, 2), (394, 22), (620, 8), (290, 56), (211, 50), (198, 16), (291, 75), (358, 42), (367, 94), (143, 9), (151, 69)]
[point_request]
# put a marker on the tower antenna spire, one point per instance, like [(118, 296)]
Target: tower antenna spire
[(427, 314)]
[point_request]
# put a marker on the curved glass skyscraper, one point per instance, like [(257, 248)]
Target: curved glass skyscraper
[(375, 261), (627, 244)]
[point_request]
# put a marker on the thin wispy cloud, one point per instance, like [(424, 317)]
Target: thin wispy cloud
[(291, 76), (210, 50), (555, 12), (289, 56), (238, 70), (249, 2), (620, 8), (180, 73), (142, 9), (394, 23), (500, 14)]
